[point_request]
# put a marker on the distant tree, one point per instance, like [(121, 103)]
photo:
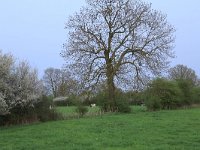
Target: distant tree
[(69, 87), (121, 41), (52, 78), (181, 72), (59, 82)]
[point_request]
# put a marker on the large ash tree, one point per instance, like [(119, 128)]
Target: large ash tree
[(118, 40)]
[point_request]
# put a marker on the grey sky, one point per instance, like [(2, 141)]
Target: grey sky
[(34, 29)]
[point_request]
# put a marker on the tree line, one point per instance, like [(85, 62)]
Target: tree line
[(23, 94), (180, 89)]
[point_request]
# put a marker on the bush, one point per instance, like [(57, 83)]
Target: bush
[(123, 106), (81, 110), (195, 92), (186, 88), (101, 100), (21, 115), (134, 97), (40, 111), (121, 102), (3, 106), (163, 94), (4, 119), (153, 102), (45, 111)]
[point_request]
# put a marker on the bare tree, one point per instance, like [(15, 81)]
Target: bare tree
[(69, 87), (120, 41), (181, 72), (59, 82), (52, 79)]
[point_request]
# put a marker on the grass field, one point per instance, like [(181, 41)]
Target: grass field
[(70, 112), (140, 130)]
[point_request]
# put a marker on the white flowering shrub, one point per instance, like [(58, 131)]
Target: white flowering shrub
[(20, 87), (3, 106), (28, 87)]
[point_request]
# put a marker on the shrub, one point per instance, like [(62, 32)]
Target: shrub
[(81, 110), (45, 111), (42, 110), (195, 92), (21, 115), (186, 88), (3, 106), (153, 102), (134, 97), (101, 99), (163, 94), (123, 106), (4, 119), (121, 102)]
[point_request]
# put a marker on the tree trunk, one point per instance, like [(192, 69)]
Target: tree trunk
[(111, 94), (111, 104)]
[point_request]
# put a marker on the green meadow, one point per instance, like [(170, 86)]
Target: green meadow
[(140, 130)]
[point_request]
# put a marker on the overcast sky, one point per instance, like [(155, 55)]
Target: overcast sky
[(33, 30)]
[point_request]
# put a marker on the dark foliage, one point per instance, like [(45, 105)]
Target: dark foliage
[(41, 111), (19, 115), (44, 110), (121, 102), (81, 110), (134, 97), (195, 95), (163, 94), (186, 87)]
